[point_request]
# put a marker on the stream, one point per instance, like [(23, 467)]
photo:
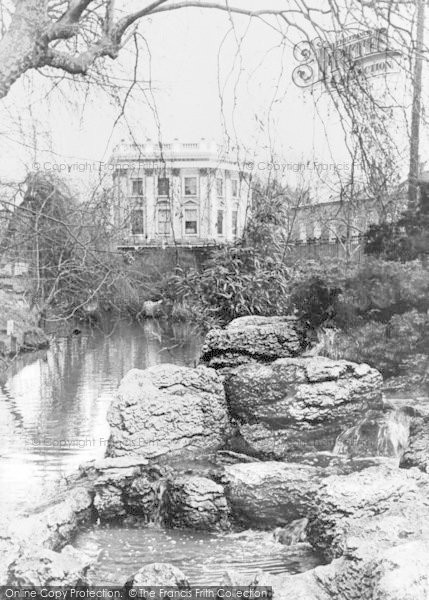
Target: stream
[(53, 407), (53, 404)]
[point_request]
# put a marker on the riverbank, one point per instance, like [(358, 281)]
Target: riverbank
[(19, 330)]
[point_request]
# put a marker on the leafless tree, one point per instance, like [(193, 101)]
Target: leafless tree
[(72, 35)]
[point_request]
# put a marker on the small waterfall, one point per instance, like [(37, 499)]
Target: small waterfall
[(292, 533), (157, 516), (377, 434)]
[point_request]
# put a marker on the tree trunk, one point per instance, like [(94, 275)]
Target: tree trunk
[(24, 44)]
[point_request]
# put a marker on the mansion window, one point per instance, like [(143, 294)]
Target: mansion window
[(191, 221), (164, 221), (137, 187), (219, 187), (234, 185), (234, 224), (163, 186), (219, 222), (190, 186), (136, 218)]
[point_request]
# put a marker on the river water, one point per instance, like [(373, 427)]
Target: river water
[(53, 404)]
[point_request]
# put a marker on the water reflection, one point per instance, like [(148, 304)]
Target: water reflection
[(53, 405)]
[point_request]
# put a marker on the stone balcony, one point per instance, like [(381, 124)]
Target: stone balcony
[(204, 150)]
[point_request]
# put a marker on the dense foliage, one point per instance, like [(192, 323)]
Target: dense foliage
[(404, 240), (234, 282), (399, 347)]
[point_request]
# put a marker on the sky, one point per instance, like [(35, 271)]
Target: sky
[(198, 79)]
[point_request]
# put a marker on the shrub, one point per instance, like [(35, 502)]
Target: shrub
[(393, 348), (235, 282), (379, 288), (315, 290), (407, 239)]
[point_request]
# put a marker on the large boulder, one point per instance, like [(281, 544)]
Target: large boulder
[(298, 404), (402, 572), (270, 494), (376, 507), (159, 575), (37, 566), (197, 503), (250, 339), (168, 410), (54, 527), (24, 540)]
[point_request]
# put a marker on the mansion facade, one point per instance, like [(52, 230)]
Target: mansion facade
[(189, 194)]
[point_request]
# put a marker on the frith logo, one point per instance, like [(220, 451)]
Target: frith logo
[(368, 53)]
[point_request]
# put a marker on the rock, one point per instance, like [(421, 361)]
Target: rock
[(159, 575), (37, 566), (402, 573), (51, 529), (55, 526), (125, 485), (167, 410), (262, 441), (305, 586), (298, 404), (197, 503), (379, 506), (109, 502), (270, 494), (249, 339), (246, 586), (417, 452), (337, 464)]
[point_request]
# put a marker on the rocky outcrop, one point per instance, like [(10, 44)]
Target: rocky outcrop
[(250, 339), (37, 566), (51, 529), (299, 404), (167, 410), (417, 451), (159, 574), (377, 507), (197, 503), (396, 573), (270, 494)]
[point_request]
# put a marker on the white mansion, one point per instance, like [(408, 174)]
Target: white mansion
[(180, 193)]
